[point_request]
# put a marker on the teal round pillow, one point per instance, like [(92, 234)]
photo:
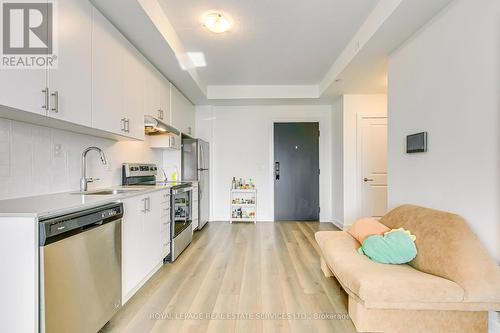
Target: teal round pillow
[(394, 248)]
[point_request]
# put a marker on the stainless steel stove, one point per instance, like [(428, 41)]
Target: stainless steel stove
[(181, 235)]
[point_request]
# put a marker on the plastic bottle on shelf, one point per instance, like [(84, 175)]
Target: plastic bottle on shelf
[(233, 183)]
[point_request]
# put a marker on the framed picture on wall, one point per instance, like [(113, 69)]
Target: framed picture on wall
[(416, 143)]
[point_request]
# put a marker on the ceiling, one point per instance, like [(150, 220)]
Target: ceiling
[(279, 51), (273, 42)]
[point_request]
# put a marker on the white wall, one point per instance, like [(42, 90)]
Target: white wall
[(347, 186), (446, 80), (28, 165), (241, 146)]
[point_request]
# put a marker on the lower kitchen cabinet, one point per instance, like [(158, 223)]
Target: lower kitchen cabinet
[(143, 239)]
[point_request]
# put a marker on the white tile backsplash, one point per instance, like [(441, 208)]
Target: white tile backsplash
[(29, 165)]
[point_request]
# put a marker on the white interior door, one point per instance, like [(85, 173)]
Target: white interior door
[(373, 149)]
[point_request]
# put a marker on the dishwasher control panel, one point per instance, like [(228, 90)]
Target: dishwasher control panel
[(73, 223)]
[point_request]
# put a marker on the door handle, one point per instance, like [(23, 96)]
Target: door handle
[(367, 180), (149, 203), (55, 94), (277, 170)]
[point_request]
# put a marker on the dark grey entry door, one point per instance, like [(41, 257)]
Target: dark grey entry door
[(296, 171)]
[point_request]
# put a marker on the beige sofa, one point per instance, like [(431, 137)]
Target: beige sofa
[(448, 287)]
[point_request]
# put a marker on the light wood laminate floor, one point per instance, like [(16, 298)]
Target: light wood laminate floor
[(255, 272)]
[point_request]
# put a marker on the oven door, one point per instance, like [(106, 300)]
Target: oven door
[(181, 209)]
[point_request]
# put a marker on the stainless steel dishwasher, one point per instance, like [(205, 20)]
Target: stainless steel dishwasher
[(80, 269)]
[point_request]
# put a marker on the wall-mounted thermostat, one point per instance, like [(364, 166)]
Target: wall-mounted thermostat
[(416, 143)]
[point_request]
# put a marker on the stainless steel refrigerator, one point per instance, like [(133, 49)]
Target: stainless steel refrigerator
[(195, 167)]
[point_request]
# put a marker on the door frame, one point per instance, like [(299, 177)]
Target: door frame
[(359, 160), (271, 155)]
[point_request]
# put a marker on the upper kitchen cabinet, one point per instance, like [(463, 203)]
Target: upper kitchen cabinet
[(107, 76), (165, 96), (24, 89), (70, 84), (182, 112), (117, 76), (133, 94), (157, 94), (61, 91)]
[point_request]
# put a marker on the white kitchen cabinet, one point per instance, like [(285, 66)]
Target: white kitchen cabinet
[(165, 226), (165, 100), (132, 246), (152, 231), (107, 76), (23, 89), (70, 84), (145, 239), (183, 117), (133, 95), (63, 92), (117, 76), (157, 94)]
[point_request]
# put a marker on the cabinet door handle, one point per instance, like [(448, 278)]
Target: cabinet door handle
[(45, 98), (55, 94), (127, 125), (148, 207)]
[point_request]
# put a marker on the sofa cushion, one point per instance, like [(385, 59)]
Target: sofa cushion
[(379, 283), (448, 248), (392, 248), (363, 228)]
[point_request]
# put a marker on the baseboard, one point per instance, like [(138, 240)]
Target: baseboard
[(337, 223)]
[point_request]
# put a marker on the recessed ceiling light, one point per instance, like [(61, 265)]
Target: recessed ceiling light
[(191, 60), (216, 22)]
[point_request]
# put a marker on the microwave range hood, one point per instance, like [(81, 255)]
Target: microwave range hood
[(153, 126)]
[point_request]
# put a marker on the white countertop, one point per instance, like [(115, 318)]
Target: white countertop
[(62, 203)]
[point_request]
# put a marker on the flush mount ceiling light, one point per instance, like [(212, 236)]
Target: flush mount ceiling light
[(216, 22)]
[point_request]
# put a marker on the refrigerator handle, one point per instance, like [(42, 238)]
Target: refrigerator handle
[(200, 158)]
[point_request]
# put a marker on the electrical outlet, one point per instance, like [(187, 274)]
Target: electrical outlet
[(57, 150)]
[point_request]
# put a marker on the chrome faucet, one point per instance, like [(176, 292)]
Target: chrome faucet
[(84, 180)]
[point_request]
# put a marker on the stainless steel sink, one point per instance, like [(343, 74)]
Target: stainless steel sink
[(106, 192)]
